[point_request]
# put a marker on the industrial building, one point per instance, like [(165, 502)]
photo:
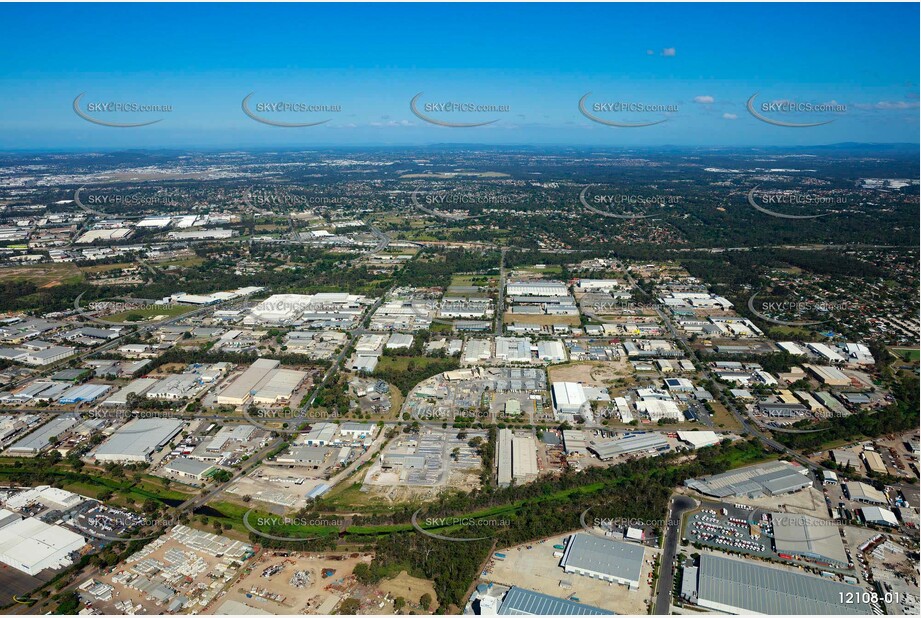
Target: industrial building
[(569, 398), (875, 462), (31, 546), (630, 444), (829, 376), (768, 479), (536, 288), (135, 387), (187, 468), (516, 458), (743, 587), (604, 559), (699, 439), (324, 310), (879, 516), (263, 382), (815, 540), (137, 440), (40, 438), (861, 492), (495, 600), (304, 456)]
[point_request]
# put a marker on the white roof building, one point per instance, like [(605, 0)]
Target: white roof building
[(31, 546)]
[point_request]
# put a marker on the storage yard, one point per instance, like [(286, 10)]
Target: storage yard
[(536, 566)]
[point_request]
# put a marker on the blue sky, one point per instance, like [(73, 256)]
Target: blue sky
[(538, 60)]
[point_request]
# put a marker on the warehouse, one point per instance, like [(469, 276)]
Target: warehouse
[(829, 375), (321, 434), (137, 440), (279, 386), (31, 546), (879, 516), (809, 538), (356, 431), (516, 458), (536, 288), (551, 351), (135, 387), (304, 456), (740, 587), (522, 602), (875, 462), (40, 438), (399, 341), (861, 492), (189, 468), (699, 439), (174, 387), (782, 410), (846, 459), (768, 479), (47, 356), (241, 389), (630, 444), (605, 559), (83, 393), (513, 349), (568, 397)]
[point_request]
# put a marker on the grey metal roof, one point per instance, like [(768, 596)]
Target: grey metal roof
[(521, 602), (772, 478), (140, 437), (808, 536), (614, 558), (765, 590)]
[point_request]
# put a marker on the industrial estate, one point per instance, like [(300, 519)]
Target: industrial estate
[(463, 378)]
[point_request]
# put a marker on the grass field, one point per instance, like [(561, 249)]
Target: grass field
[(911, 355), (149, 312)]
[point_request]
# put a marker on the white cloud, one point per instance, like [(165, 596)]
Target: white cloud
[(705, 99), (668, 52), (729, 116), (888, 105), (392, 123)]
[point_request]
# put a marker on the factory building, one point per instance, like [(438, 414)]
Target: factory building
[(569, 398), (536, 288), (744, 587), (629, 445), (40, 438), (769, 479), (192, 469), (516, 458), (604, 559), (137, 440), (811, 539), (879, 516), (861, 492), (31, 546), (258, 376)]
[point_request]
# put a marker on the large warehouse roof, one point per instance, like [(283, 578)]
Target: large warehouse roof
[(862, 492), (38, 439), (138, 439), (807, 536), (745, 587), (607, 556), (240, 390), (635, 443), (521, 602), (773, 478), (32, 546)]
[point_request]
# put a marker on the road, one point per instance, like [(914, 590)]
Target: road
[(679, 506), (500, 301)]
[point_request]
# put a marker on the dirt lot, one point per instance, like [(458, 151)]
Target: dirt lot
[(543, 320), (591, 373), (409, 587), (537, 569), (278, 594)]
